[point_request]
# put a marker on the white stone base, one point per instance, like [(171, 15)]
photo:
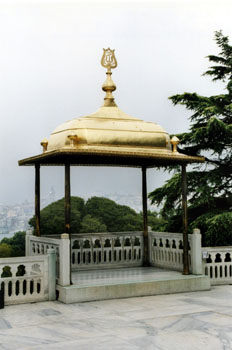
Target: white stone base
[(122, 284)]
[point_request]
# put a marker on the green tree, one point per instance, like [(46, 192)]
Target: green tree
[(91, 224), (116, 217), (98, 214), (5, 250), (155, 221), (52, 217), (210, 135), (16, 244)]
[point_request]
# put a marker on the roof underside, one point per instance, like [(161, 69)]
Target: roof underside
[(82, 157)]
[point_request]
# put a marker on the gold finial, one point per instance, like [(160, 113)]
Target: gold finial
[(74, 139), (174, 141), (109, 61), (44, 144)]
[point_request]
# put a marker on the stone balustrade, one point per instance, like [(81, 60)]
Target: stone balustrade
[(28, 279), (217, 264), (60, 243), (166, 251), (117, 249), (108, 250)]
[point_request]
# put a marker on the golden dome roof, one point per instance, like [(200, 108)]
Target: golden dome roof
[(110, 137), (110, 128)]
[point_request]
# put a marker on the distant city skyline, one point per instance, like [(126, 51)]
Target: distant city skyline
[(15, 217)]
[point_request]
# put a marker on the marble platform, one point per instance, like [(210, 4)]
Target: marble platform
[(128, 282), (187, 321)]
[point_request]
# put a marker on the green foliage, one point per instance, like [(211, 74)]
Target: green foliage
[(155, 221), (5, 250), (210, 135), (16, 244), (91, 224), (219, 231), (116, 217), (96, 215), (52, 217)]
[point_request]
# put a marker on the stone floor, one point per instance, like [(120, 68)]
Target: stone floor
[(116, 283), (199, 320), (124, 276)]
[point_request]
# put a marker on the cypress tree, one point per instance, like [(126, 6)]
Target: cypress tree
[(210, 135)]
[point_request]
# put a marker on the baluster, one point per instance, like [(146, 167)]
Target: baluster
[(122, 249), (132, 249), (112, 247), (13, 294), (87, 256), (105, 258), (20, 287), (14, 269), (129, 250), (97, 255), (28, 287), (125, 255), (81, 251), (102, 250), (91, 261)]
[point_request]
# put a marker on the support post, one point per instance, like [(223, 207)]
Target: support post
[(51, 274), (145, 225), (185, 221), (68, 210), (28, 243), (64, 273), (37, 199), (67, 198), (196, 253)]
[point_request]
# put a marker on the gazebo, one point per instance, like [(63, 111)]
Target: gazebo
[(110, 137)]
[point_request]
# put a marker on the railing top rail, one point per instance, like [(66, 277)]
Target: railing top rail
[(56, 236), (91, 234), (23, 259), (106, 234), (218, 249), (166, 234), (45, 239)]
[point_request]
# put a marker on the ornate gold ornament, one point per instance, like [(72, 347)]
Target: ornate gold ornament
[(44, 144), (108, 59), (174, 141), (73, 139)]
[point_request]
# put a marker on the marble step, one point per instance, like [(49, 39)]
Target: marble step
[(126, 283)]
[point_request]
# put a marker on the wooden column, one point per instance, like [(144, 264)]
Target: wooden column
[(37, 199), (185, 222), (67, 198), (67, 208), (145, 225)]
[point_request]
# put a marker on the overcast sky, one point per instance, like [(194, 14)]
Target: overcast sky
[(50, 72)]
